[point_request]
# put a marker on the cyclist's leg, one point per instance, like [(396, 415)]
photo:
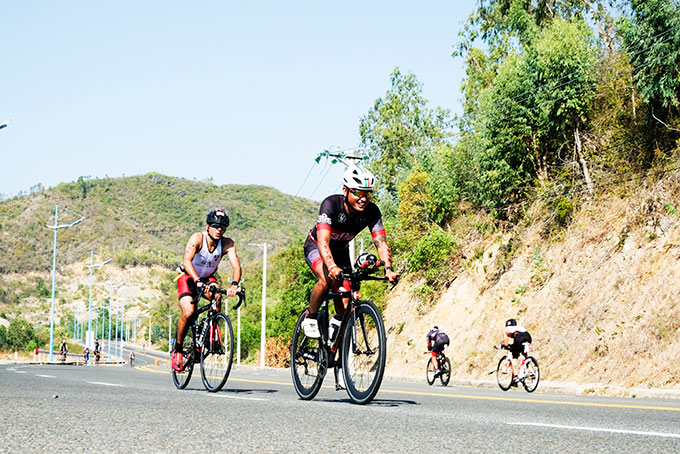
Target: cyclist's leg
[(516, 350), (309, 324), (186, 289), (187, 307), (342, 259)]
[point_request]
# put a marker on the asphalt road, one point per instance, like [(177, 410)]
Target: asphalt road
[(59, 408)]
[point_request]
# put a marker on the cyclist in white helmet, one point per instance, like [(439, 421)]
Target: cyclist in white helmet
[(341, 218)]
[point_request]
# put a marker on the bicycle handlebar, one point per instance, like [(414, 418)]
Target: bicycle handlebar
[(241, 294)]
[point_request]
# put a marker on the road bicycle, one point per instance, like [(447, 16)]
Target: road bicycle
[(444, 367), (210, 342), (529, 373), (358, 346)]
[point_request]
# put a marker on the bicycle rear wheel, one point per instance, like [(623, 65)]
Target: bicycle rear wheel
[(364, 350), (181, 378), (429, 373), (504, 373), (308, 362), (446, 372), (532, 375), (217, 353)]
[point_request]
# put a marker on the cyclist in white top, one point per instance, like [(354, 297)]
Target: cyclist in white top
[(521, 340), (202, 255)]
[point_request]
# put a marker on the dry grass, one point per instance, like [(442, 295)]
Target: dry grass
[(600, 300)]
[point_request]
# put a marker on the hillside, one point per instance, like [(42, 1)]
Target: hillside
[(142, 220), (143, 224), (600, 298)]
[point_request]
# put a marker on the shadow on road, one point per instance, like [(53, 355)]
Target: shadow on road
[(249, 391), (375, 402)]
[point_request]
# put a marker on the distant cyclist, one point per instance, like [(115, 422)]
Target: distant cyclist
[(97, 351), (437, 341), (63, 350), (86, 354), (521, 340), (202, 255), (131, 357), (341, 218)]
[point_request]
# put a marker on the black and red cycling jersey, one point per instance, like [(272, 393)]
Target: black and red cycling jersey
[(343, 227)]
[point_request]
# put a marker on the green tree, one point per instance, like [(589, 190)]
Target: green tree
[(652, 39), (398, 127), (4, 343), (19, 334)]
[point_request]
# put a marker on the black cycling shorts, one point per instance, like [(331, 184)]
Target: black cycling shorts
[(517, 346)]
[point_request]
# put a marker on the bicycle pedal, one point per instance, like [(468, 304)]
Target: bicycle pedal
[(339, 387)]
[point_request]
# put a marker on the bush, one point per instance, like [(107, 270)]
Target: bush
[(432, 250)]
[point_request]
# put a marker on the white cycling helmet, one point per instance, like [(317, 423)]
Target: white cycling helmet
[(358, 177)]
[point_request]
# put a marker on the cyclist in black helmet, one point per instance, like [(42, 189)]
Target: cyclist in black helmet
[(202, 255), (521, 340), (437, 341)]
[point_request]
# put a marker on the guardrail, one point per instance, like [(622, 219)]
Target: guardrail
[(71, 358)]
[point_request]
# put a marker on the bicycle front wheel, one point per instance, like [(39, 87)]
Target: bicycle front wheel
[(532, 375), (504, 373), (431, 369), (181, 378), (308, 362), (446, 372), (217, 353), (364, 350)]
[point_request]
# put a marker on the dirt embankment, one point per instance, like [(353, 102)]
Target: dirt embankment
[(600, 299)]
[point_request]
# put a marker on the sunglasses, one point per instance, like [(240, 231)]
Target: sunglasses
[(217, 226), (359, 194)]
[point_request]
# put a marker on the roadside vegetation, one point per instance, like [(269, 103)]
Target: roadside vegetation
[(564, 104)]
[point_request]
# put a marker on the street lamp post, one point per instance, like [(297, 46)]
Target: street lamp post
[(112, 287), (91, 266), (264, 301), (169, 332), (56, 227)]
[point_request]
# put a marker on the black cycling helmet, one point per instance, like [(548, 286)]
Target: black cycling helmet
[(218, 217), (511, 322)]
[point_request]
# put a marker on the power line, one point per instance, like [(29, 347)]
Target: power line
[(305, 180)]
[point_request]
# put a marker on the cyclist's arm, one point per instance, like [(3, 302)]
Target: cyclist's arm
[(385, 255), (506, 338), (193, 246), (323, 242), (229, 249)]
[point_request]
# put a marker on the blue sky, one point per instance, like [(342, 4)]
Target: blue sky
[(240, 92)]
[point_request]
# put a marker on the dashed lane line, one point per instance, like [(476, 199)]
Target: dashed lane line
[(597, 429), (105, 384), (460, 396), (46, 376)]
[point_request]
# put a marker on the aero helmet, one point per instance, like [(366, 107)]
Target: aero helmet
[(511, 322), (434, 327), (358, 177), (218, 217)]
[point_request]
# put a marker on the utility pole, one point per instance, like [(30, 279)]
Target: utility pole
[(149, 329), (264, 302), (56, 227)]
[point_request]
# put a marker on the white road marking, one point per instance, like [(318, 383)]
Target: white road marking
[(242, 398), (597, 429), (105, 384), (20, 371), (46, 376)]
